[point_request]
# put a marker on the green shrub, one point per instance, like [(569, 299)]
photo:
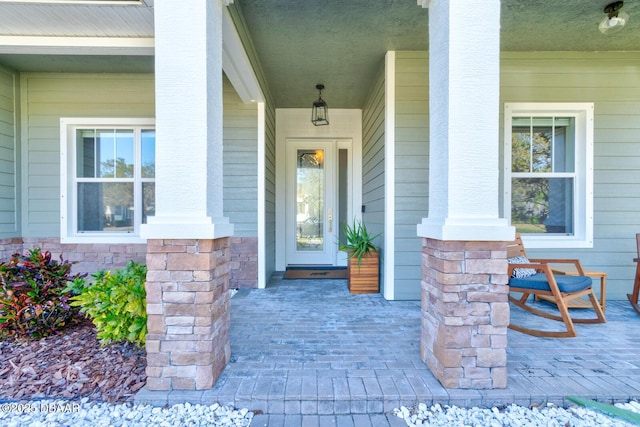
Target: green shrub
[(116, 304), (34, 299)]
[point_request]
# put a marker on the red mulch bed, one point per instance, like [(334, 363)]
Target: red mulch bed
[(71, 365)]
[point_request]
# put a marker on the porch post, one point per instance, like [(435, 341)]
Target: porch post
[(465, 311), (188, 238)]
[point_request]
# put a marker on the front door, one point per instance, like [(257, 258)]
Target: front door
[(312, 203)]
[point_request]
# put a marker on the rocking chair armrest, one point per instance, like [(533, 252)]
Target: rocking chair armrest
[(575, 262)]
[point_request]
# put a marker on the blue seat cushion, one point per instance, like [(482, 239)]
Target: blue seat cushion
[(539, 282)]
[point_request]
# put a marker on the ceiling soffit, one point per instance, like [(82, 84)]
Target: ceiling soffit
[(301, 43)]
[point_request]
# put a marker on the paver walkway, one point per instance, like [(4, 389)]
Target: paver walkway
[(308, 352)]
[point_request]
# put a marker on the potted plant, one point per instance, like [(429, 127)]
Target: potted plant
[(363, 259)]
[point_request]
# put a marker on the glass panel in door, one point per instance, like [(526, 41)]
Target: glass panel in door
[(310, 205), (310, 189)]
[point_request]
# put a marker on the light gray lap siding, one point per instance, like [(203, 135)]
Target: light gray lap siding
[(46, 97), (8, 153), (373, 140), (412, 168), (240, 163)]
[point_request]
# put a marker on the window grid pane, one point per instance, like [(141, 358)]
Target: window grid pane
[(105, 151), (105, 207), (85, 153), (542, 205), (148, 200), (148, 153), (107, 181), (124, 154)]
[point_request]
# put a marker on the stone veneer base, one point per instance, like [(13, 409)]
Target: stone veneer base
[(188, 308), (243, 265), (86, 257), (89, 257), (465, 313)]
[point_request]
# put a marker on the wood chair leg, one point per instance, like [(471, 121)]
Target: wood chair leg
[(633, 297)]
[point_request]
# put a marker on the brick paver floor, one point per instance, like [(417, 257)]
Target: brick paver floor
[(306, 352)]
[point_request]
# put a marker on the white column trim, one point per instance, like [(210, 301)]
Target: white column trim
[(464, 86), (262, 247), (389, 175), (189, 181)]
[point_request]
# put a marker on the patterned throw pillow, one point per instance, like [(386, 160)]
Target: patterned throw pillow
[(520, 273)]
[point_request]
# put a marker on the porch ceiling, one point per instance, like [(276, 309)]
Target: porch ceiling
[(342, 43), (304, 42)]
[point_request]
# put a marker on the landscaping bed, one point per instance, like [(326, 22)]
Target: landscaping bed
[(70, 365)]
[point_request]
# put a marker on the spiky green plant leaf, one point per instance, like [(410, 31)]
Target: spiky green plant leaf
[(359, 242)]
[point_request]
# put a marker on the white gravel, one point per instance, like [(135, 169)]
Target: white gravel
[(59, 413), (512, 415)]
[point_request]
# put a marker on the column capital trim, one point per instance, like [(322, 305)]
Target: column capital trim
[(468, 229), (186, 227)]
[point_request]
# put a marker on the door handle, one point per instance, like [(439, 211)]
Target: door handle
[(330, 219)]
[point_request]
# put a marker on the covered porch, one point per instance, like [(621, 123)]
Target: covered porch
[(431, 150), (309, 347)]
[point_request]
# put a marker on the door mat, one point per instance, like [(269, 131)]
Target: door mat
[(316, 274)]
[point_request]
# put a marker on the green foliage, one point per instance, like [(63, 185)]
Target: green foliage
[(34, 299), (530, 200), (358, 240), (116, 304)]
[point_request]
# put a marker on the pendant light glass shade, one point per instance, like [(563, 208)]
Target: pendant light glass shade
[(320, 110), (615, 19)]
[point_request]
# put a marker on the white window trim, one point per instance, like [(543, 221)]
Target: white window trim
[(67, 158), (583, 209)]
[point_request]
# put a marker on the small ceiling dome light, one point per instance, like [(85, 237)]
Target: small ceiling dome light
[(615, 19), (320, 111)]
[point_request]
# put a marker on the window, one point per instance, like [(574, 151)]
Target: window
[(108, 179), (549, 172)]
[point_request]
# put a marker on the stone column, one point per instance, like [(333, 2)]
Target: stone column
[(188, 237), (465, 313), (188, 313), (464, 293)]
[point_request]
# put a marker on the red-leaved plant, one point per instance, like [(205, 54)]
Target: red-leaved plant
[(33, 300)]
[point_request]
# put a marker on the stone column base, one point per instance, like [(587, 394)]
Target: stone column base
[(465, 313), (188, 308)]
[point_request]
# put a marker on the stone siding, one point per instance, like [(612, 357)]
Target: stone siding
[(189, 313), (465, 313), (243, 266), (87, 258)]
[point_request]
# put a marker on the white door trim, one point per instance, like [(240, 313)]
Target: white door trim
[(327, 254), (296, 123)]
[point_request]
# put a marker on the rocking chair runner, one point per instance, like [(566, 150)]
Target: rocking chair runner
[(633, 297), (541, 281)]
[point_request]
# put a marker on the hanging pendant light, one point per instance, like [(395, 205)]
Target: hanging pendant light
[(615, 19), (320, 110)]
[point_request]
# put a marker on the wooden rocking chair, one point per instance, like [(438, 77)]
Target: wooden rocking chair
[(536, 278), (633, 297)]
